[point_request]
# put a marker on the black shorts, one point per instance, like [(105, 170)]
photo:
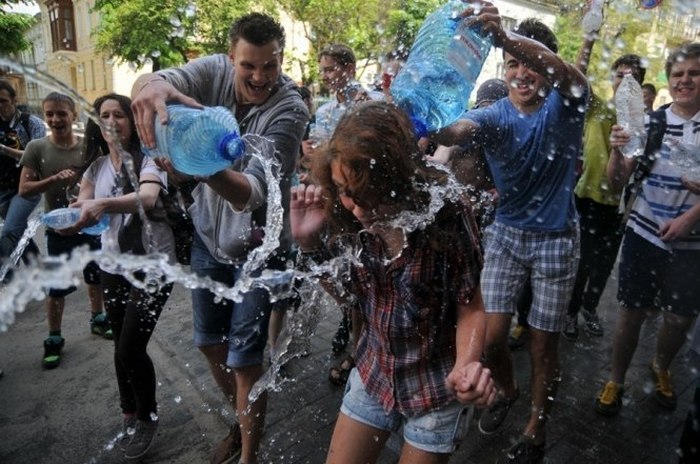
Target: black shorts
[(651, 277)]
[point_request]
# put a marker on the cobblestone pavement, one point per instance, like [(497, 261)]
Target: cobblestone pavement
[(71, 414)]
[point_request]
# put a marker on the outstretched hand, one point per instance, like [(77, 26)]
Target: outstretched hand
[(307, 215), (472, 384)]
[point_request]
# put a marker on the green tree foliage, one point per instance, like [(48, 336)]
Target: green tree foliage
[(136, 31), (13, 26), (168, 32), (370, 27), (4, 3), (626, 29)]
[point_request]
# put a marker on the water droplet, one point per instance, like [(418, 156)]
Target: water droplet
[(175, 21)]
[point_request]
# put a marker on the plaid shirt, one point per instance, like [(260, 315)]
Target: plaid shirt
[(409, 305)]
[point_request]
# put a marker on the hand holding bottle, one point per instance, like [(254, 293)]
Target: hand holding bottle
[(488, 19), (149, 96)]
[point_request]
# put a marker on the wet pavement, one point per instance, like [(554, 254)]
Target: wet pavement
[(71, 414)]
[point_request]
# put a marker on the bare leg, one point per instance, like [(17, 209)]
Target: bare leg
[(95, 296), (497, 354), (544, 359), (412, 455), (54, 312), (355, 442), (236, 385), (625, 340), (671, 338)]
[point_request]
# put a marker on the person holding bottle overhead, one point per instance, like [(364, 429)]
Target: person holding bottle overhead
[(418, 356), (49, 166), (660, 251), (133, 312), (229, 206), (532, 140)]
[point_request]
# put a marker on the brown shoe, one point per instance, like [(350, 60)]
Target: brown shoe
[(229, 450)]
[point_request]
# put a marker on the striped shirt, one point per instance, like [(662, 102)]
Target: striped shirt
[(663, 197), (409, 305)]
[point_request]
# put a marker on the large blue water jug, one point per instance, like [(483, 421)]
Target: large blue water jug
[(62, 218), (199, 142), (434, 85)]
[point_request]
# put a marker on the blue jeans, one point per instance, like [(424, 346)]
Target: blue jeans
[(439, 431), (242, 325), (15, 211)]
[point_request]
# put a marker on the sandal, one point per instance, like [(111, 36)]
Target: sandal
[(339, 375)]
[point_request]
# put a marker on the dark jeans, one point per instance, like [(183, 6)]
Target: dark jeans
[(133, 314), (600, 240)]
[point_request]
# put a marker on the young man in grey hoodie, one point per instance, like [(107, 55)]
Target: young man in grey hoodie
[(230, 205)]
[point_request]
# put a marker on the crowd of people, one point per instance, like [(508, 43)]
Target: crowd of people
[(428, 309)]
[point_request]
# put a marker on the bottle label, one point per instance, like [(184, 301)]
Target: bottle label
[(467, 52)]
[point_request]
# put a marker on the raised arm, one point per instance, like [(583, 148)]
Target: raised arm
[(564, 76), (619, 168)]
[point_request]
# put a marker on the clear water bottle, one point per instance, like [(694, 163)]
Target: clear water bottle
[(434, 85), (593, 19), (199, 142), (63, 218), (629, 103)]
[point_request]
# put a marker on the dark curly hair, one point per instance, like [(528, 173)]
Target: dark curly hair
[(256, 28)]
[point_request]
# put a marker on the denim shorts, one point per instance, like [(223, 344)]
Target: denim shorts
[(439, 431), (242, 325), (651, 277), (548, 260), (57, 245)]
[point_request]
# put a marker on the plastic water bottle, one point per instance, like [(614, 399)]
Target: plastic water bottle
[(63, 218), (593, 19), (629, 103), (434, 85), (199, 142)]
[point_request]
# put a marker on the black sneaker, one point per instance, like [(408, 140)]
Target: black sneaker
[(53, 346), (570, 331), (524, 451), (592, 325), (492, 418), (141, 441), (99, 325), (127, 432)]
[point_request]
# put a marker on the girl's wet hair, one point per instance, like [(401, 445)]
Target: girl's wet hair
[(375, 144)]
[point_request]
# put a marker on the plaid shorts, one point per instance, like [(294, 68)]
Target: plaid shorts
[(549, 260)]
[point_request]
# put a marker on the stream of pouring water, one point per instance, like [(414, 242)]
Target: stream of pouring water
[(61, 272)]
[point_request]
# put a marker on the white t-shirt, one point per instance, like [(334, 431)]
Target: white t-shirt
[(663, 197), (109, 184)]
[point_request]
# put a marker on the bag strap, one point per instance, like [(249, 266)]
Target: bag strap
[(24, 120), (644, 164)]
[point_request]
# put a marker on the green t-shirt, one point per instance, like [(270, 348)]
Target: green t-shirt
[(593, 182), (48, 159)]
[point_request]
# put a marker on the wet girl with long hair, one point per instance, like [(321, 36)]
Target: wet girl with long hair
[(418, 356), (132, 311)]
